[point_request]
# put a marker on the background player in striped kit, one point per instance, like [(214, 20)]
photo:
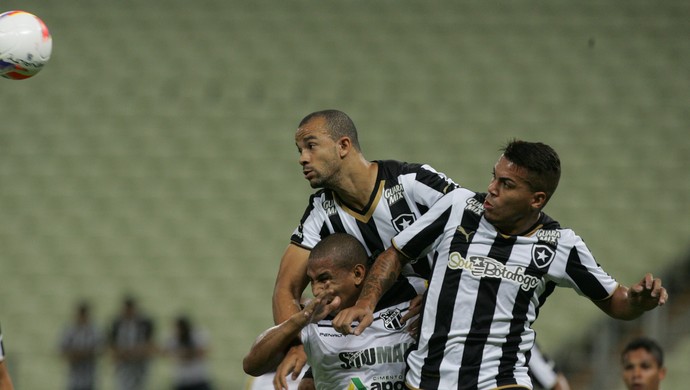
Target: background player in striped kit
[(642, 360), (544, 373), (371, 200), (498, 257), (337, 267), (81, 344)]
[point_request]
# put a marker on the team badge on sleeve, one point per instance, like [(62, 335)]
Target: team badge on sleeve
[(542, 255)]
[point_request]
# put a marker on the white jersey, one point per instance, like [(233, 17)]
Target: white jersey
[(403, 192), (373, 360), (485, 292)]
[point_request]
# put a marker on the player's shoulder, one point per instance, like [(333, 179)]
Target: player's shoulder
[(552, 231), (392, 168), (467, 198), (410, 174), (397, 167)]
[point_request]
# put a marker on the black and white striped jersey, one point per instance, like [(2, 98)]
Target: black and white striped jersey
[(485, 292), (403, 192)]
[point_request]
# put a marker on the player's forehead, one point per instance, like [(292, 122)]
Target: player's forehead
[(505, 168), (322, 265), (640, 356), (315, 128)]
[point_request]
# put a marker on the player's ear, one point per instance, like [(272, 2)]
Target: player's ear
[(539, 200), (359, 272), (344, 145), (662, 373)]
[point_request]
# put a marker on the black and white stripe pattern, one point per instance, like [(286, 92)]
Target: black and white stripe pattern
[(485, 291)]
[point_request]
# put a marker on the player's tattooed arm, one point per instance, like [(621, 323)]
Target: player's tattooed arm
[(384, 272), (380, 278)]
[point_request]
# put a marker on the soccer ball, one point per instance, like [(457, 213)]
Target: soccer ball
[(25, 45)]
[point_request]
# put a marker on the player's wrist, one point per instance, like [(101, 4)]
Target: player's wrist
[(300, 319), (366, 304), (296, 342)]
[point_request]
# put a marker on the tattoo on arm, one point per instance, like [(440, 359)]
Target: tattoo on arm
[(382, 275)]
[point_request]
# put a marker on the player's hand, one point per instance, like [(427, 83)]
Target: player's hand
[(648, 293), (292, 364), (414, 309), (323, 304), (357, 313)]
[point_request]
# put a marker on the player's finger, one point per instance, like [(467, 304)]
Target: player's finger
[(333, 305), (648, 281), (664, 297), (654, 288), (406, 317), (279, 382), (413, 328), (342, 322), (299, 365), (414, 309), (363, 324), (636, 289), (284, 369)]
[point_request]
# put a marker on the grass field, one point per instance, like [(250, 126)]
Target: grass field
[(154, 154)]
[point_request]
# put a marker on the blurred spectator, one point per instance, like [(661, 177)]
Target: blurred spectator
[(188, 348), (5, 380), (132, 346), (80, 345), (643, 364)]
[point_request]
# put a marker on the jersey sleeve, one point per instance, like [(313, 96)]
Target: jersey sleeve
[(308, 232), (428, 185), (419, 239), (583, 273)]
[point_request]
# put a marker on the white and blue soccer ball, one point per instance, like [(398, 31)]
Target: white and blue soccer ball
[(25, 45)]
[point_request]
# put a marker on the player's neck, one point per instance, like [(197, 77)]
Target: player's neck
[(523, 227), (356, 188)]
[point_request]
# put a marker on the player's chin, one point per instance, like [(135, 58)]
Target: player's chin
[(315, 183), (490, 215)]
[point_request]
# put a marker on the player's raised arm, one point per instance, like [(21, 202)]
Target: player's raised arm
[(270, 347), (630, 303), (287, 293), (290, 283), (383, 273)]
